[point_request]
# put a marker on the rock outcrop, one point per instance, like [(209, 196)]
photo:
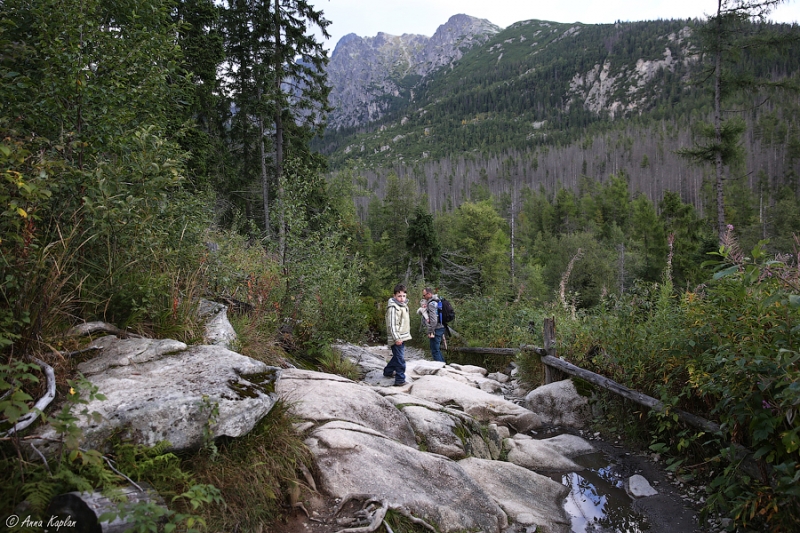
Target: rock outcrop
[(162, 390), (432, 447), (366, 73)]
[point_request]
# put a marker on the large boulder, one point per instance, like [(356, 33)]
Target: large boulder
[(559, 404), (153, 394), (320, 398), (481, 405), (353, 459), (528, 498), (549, 455)]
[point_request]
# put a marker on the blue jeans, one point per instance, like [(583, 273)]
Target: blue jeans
[(397, 364), (436, 343)]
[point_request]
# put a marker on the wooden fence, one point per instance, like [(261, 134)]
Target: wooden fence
[(555, 368)]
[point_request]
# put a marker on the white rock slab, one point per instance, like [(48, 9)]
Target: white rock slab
[(421, 368), (218, 329), (123, 352), (352, 459), (470, 369), (436, 430), (528, 498), (479, 404), (320, 397), (163, 399), (538, 455), (499, 377)]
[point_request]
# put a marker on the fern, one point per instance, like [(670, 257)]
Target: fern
[(39, 493)]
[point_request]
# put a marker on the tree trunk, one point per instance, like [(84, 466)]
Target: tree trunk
[(264, 175), (279, 135), (718, 124)]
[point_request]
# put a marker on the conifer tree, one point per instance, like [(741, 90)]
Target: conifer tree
[(727, 33), (423, 244), (276, 66)]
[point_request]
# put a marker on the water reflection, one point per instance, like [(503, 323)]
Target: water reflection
[(597, 502)]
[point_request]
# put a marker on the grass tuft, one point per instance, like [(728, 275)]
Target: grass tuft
[(254, 473)]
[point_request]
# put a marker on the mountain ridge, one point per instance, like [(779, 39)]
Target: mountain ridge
[(367, 73)]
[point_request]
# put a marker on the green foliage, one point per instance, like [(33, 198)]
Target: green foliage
[(423, 244), (477, 237), (149, 517), (254, 472), (322, 276), (494, 322), (727, 353), (13, 398), (332, 362), (744, 355)]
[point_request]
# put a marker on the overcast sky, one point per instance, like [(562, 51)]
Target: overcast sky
[(396, 17)]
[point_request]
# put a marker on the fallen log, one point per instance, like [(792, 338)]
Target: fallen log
[(625, 392)]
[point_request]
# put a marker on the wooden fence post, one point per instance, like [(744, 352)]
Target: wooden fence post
[(550, 374)]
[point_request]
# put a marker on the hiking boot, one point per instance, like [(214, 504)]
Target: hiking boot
[(400, 384), (389, 375)]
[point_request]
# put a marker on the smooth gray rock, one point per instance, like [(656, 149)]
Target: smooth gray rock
[(495, 440), (376, 379), (436, 430), (401, 398), (218, 329), (419, 368), (469, 369), (570, 445), (528, 498), (499, 377), (473, 379), (352, 459), (638, 487), (538, 455), (559, 404), (320, 397), (172, 398), (368, 359), (124, 352), (482, 406)]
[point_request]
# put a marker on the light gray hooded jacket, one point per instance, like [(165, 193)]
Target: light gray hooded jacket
[(398, 322)]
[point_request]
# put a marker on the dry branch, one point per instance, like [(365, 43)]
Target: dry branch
[(43, 402)]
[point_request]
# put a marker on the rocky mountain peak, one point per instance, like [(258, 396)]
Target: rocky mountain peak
[(368, 73)]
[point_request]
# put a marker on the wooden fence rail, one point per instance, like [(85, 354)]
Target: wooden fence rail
[(555, 368)]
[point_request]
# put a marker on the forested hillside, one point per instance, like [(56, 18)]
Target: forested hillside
[(543, 104)]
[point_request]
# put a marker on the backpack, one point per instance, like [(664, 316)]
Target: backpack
[(446, 312)]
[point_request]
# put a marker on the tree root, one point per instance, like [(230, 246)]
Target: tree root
[(309, 478), (378, 515)]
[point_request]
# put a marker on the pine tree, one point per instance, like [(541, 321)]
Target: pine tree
[(422, 244), (277, 70), (727, 33)]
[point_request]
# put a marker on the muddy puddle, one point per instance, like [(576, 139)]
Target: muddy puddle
[(597, 501)]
